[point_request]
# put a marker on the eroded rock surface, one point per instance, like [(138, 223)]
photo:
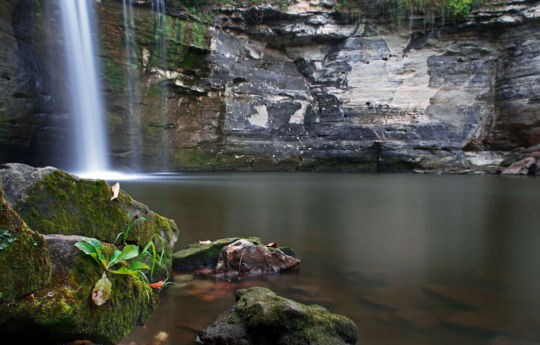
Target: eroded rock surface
[(299, 88)]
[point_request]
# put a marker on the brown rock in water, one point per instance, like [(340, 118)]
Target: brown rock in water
[(245, 257), (526, 166)]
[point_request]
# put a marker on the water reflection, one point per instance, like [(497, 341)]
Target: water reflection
[(411, 259)]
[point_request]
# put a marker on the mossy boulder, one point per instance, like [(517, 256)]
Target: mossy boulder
[(52, 201), (262, 317), (63, 310), (199, 255), (24, 260)]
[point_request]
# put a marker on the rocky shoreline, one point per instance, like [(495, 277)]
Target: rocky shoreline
[(61, 237)]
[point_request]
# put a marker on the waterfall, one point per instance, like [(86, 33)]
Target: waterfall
[(161, 44), (91, 153), (133, 90), (133, 79)]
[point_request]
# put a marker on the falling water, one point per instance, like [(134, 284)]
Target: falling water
[(89, 133), (133, 79), (161, 22)]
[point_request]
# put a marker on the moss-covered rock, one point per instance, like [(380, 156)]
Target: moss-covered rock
[(63, 309), (198, 256), (52, 201), (24, 260), (262, 317)]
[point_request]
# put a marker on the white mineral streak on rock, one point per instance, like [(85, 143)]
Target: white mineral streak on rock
[(145, 56), (484, 158), (298, 116), (259, 119)]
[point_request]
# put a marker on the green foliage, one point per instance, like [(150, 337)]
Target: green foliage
[(6, 238), (399, 9), (134, 221), (460, 8), (94, 248)]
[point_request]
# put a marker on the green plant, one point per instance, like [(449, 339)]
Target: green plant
[(133, 221), (102, 289), (6, 238)]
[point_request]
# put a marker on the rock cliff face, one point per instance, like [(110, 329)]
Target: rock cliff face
[(304, 87)]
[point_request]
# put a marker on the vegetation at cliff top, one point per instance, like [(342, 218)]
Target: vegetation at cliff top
[(399, 8)]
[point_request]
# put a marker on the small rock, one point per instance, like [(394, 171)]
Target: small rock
[(526, 166), (245, 257), (262, 317)]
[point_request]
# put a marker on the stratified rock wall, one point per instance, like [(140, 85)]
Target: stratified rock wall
[(309, 88)]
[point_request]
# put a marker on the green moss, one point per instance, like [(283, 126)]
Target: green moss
[(24, 260), (265, 313), (61, 205), (63, 310), (197, 159)]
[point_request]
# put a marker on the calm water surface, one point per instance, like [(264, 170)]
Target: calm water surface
[(412, 259)]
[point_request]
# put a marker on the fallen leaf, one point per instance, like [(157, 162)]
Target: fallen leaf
[(157, 285), (30, 297), (160, 338), (102, 290), (273, 245), (204, 271), (115, 189), (204, 242)]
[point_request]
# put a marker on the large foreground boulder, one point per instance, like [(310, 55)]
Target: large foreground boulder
[(261, 317), (52, 201), (24, 260), (63, 309), (47, 282)]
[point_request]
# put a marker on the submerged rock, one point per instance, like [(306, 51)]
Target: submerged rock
[(245, 257), (52, 201), (262, 317)]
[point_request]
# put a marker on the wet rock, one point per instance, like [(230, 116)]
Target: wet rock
[(52, 201), (245, 257), (197, 256), (62, 310), (203, 257), (24, 260), (526, 166), (262, 317)]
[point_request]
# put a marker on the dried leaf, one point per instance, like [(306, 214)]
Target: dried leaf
[(204, 242), (102, 290), (157, 285), (115, 189), (204, 272)]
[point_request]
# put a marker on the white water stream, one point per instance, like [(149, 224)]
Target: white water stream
[(91, 152)]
